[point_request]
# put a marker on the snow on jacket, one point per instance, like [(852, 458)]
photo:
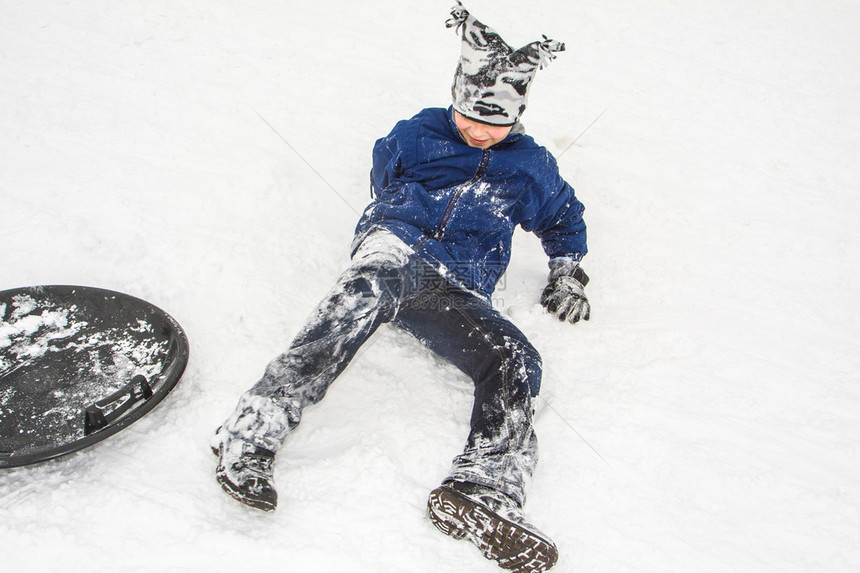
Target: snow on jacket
[(457, 206)]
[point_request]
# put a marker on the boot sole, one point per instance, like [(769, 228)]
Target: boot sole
[(256, 503), (510, 544), (227, 485)]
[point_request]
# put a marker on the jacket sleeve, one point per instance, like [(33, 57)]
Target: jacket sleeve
[(558, 221), (386, 164), (389, 157)]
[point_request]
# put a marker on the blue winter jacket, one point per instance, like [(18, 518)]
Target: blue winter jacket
[(457, 206)]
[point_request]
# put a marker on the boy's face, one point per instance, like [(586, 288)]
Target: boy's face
[(478, 134)]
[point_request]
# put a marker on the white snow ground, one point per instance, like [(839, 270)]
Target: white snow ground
[(705, 420)]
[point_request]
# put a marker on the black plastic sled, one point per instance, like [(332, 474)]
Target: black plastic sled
[(79, 364)]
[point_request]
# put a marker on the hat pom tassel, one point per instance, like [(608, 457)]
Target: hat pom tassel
[(458, 16), (547, 51)]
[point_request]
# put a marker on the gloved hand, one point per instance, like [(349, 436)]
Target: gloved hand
[(564, 296)]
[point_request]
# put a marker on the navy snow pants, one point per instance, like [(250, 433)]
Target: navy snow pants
[(387, 282)]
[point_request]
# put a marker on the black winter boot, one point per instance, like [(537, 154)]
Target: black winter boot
[(493, 522), (245, 471)]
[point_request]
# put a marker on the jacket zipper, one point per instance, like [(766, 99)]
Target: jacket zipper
[(449, 210)]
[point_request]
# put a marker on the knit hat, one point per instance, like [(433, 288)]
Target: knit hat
[(492, 80)]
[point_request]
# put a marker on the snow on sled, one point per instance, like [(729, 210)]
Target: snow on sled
[(78, 364)]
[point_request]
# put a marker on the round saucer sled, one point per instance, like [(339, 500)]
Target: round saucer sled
[(77, 365)]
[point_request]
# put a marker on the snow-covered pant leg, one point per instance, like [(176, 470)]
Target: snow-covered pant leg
[(366, 295), (501, 451)]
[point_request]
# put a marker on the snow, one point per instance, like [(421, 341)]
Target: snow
[(212, 158)]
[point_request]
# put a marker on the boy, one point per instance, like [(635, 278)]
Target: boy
[(449, 186)]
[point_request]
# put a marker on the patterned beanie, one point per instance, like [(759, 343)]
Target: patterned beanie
[(492, 80)]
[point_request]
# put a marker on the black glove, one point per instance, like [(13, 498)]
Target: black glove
[(564, 296)]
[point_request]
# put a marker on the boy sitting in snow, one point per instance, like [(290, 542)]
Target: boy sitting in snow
[(449, 187)]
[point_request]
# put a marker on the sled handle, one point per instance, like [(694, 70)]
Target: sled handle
[(96, 417)]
